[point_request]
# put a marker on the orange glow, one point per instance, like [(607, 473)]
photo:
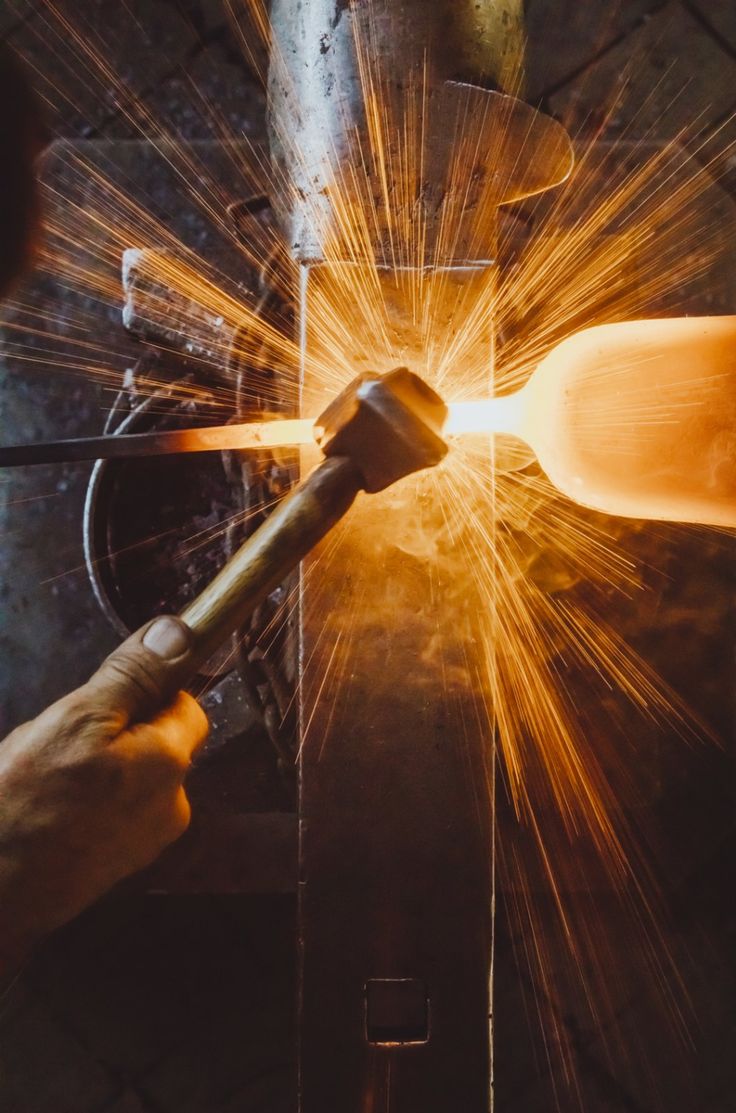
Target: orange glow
[(486, 415), (639, 419), (284, 433), (636, 419), (620, 237)]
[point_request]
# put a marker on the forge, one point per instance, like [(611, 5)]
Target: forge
[(361, 711)]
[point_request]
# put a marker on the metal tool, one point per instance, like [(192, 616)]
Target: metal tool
[(214, 438), (380, 429)]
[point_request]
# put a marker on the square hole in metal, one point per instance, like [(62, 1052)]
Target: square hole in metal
[(396, 1011)]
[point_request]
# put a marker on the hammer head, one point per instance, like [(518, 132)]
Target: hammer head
[(389, 426)]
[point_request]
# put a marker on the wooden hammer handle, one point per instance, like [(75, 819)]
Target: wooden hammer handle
[(261, 563)]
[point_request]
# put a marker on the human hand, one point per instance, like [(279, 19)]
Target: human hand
[(91, 790)]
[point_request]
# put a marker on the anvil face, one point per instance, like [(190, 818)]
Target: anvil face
[(395, 815)]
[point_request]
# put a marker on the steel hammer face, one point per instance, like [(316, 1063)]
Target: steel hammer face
[(389, 425)]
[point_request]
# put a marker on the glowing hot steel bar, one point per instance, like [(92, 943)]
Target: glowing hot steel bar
[(635, 419)]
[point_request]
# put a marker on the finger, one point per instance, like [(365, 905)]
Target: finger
[(185, 725), (182, 813), (146, 671), (178, 732)]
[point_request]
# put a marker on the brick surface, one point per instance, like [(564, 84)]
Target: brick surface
[(724, 166), (566, 35), (239, 1054), (176, 68), (140, 43), (212, 97), (186, 1001), (13, 13), (43, 1068), (719, 16), (668, 75), (126, 999)]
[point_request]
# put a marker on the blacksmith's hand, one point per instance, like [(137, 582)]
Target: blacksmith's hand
[(92, 789)]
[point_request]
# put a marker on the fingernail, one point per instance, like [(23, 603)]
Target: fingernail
[(167, 638)]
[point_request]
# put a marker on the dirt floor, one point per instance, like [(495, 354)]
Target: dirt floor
[(185, 1003)]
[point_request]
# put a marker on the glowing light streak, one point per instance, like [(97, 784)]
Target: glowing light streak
[(618, 239)]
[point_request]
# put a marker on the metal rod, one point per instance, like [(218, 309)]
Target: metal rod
[(257, 434), (477, 416)]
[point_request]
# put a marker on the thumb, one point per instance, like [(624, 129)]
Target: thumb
[(146, 671)]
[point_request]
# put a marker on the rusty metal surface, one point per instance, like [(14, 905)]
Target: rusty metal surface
[(455, 67)]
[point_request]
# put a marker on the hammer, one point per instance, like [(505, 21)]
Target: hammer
[(379, 429)]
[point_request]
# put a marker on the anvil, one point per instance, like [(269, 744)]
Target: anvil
[(396, 743)]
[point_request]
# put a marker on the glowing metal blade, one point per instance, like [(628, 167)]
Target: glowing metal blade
[(495, 415), (253, 435)]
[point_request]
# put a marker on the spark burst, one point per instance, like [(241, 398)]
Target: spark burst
[(544, 569)]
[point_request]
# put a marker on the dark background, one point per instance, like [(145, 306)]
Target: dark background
[(184, 1004)]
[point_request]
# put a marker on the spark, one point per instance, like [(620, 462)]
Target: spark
[(631, 230)]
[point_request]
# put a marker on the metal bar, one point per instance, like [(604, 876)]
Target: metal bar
[(257, 434), (396, 747)]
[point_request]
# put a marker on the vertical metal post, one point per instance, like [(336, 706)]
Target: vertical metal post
[(395, 825)]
